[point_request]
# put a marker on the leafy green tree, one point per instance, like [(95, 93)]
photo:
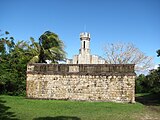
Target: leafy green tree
[(6, 46), (52, 48), (153, 81), (13, 62), (13, 70), (140, 83), (18, 63), (34, 50), (15, 57), (6, 43), (149, 83)]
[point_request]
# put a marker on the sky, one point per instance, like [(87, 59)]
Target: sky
[(108, 21)]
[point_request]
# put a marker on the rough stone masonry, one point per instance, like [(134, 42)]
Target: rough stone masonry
[(84, 82)]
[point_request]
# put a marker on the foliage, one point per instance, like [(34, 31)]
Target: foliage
[(153, 81), (13, 65), (51, 48), (149, 83), (34, 50), (140, 84), (6, 43), (121, 53), (15, 56)]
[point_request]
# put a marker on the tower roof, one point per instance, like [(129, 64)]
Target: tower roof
[(85, 36)]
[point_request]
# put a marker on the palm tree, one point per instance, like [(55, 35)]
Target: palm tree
[(34, 51), (51, 48)]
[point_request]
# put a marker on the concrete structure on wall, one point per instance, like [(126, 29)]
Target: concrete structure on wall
[(85, 82), (84, 56)]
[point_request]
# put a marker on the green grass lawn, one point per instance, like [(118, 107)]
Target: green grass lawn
[(19, 108)]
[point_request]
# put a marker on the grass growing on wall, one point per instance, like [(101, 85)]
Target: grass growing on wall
[(19, 108)]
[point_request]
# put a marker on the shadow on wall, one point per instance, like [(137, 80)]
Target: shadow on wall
[(4, 114), (58, 118)]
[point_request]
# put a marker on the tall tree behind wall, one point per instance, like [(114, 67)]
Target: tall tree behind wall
[(150, 82), (15, 57), (13, 62), (52, 48), (122, 53)]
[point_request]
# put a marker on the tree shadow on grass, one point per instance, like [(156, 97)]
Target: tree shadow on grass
[(58, 118), (4, 114), (152, 101)]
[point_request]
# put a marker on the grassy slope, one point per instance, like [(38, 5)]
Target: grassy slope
[(26, 109)]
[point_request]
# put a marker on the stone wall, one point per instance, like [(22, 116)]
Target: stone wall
[(88, 82)]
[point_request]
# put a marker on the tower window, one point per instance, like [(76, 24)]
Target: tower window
[(84, 44)]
